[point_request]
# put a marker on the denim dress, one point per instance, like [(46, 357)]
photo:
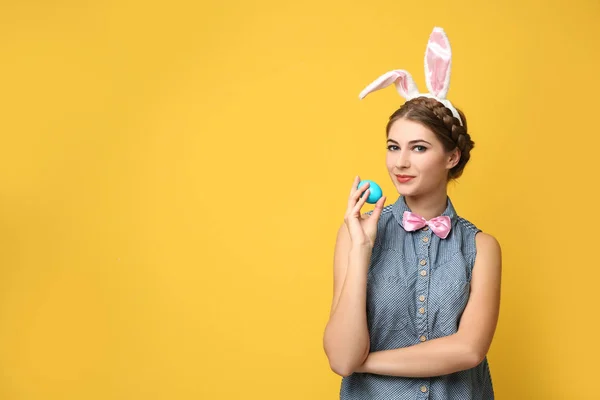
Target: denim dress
[(417, 288)]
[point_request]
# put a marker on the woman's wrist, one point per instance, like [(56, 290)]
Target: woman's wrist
[(361, 250)]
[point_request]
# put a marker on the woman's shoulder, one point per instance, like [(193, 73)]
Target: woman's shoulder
[(486, 242), (483, 240)]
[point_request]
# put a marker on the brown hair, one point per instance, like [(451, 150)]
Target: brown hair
[(437, 117)]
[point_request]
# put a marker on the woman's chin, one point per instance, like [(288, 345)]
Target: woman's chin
[(405, 191)]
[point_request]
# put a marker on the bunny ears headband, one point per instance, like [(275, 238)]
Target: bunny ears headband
[(438, 60)]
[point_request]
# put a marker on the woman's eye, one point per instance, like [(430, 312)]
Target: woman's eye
[(420, 149), (392, 147)]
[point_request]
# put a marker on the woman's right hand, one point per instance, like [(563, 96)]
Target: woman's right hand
[(362, 229)]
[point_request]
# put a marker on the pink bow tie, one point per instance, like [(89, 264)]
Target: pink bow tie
[(439, 225)]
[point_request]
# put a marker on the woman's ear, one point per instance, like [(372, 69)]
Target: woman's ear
[(454, 158)]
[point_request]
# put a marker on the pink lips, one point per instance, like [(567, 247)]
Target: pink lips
[(404, 178)]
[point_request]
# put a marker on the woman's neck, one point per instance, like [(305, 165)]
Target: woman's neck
[(430, 205)]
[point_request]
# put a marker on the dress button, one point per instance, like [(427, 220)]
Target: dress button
[(423, 262), (422, 338), (422, 310), (422, 298), (424, 389), (425, 239), (426, 228), (423, 273)]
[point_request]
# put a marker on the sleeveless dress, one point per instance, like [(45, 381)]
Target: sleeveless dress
[(417, 288)]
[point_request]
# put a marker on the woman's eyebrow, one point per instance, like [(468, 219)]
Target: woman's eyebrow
[(411, 142)]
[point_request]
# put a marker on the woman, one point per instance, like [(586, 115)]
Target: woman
[(416, 287)]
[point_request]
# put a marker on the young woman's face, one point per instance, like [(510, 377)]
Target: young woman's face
[(416, 159)]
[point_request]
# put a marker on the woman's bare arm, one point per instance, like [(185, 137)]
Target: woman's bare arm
[(346, 338)]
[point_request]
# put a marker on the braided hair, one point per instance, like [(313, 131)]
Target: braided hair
[(437, 117)]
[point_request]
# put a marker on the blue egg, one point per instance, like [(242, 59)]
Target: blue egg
[(375, 193)]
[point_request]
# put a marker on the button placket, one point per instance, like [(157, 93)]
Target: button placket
[(423, 285)]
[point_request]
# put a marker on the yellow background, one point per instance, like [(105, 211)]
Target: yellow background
[(173, 174)]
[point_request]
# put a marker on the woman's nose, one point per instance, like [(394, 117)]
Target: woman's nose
[(403, 160)]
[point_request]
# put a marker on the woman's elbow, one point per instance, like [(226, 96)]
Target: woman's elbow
[(346, 366), (344, 358), (342, 363), (339, 363), (341, 369), (474, 358), (473, 353)]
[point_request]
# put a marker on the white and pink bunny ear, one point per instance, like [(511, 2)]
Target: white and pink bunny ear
[(438, 62), (405, 85)]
